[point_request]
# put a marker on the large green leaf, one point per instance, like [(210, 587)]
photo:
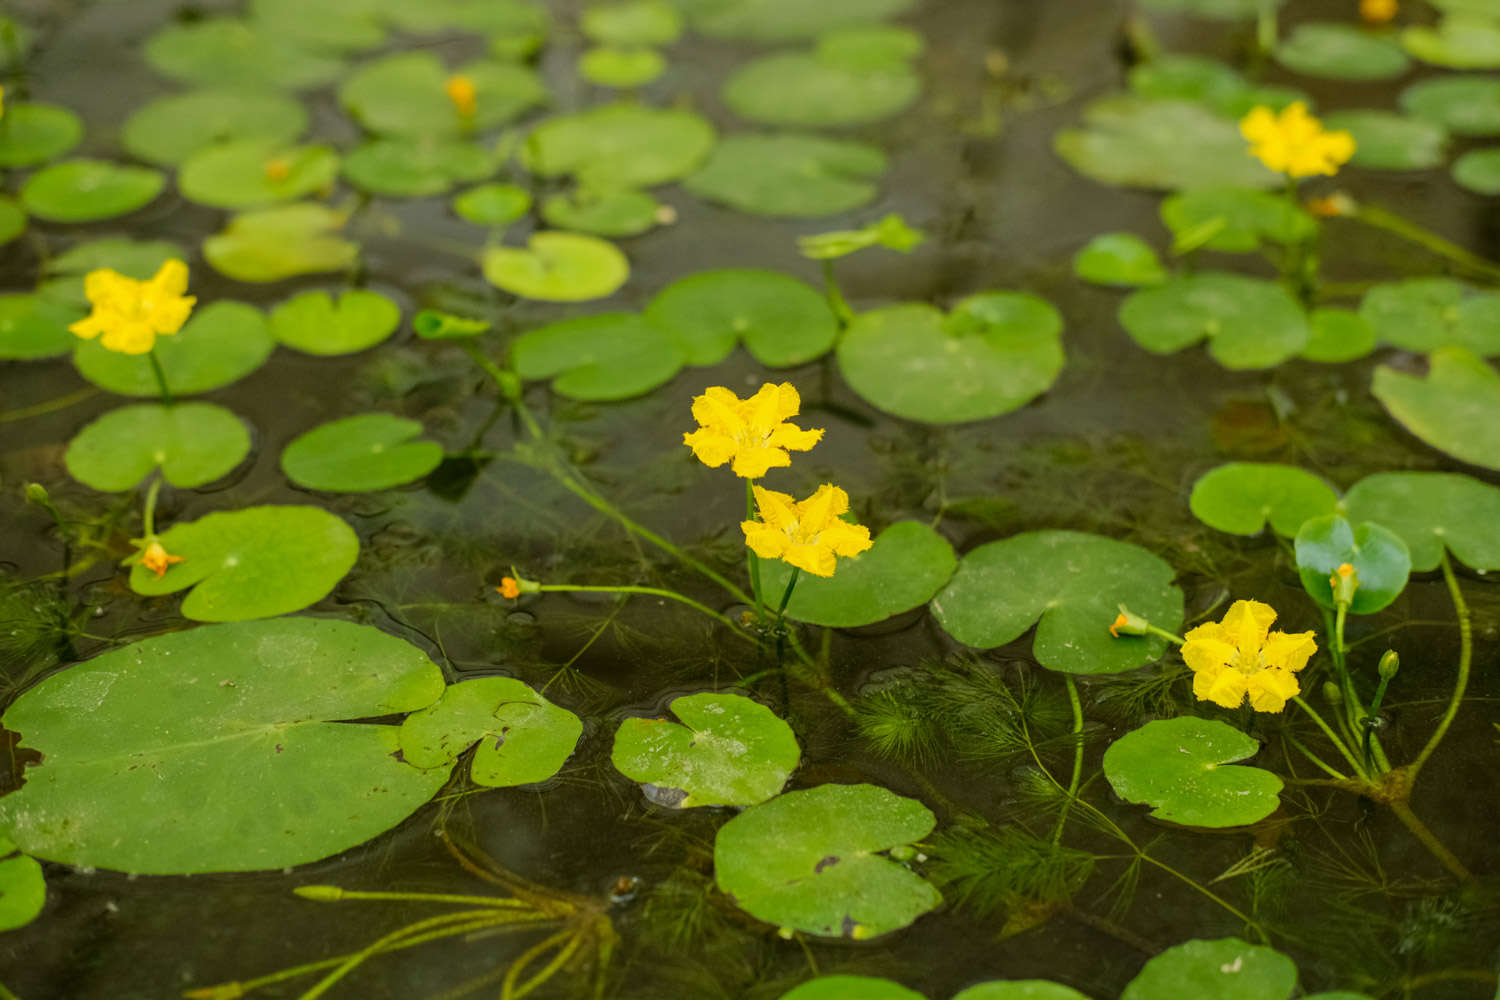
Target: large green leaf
[(139, 259), (1423, 314), (812, 861), (1455, 409), (806, 90), (992, 354), (84, 190), (557, 267), (781, 320), (850, 988), (221, 748), (33, 327), (193, 443), (1432, 511), (224, 52), (403, 94), (1119, 259), (1378, 555), (726, 751), (1342, 52), (787, 20), (372, 451), (1458, 41), (1071, 584), (273, 243), (221, 343), (1248, 323), (252, 563), (632, 22), (1019, 989), (612, 212), (245, 173), (1384, 140), (1226, 969), (36, 133), (1235, 220), (609, 356), (416, 167), (1184, 769), (171, 129), (619, 146), (1242, 496), (314, 324), (788, 173), (1467, 105), (522, 737)]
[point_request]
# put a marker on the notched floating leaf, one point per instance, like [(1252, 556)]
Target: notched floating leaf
[(608, 66), (782, 321), (558, 267), (1432, 511), (1478, 170), (788, 20), (221, 343), (33, 327), (314, 324), (632, 22), (1119, 259), (274, 243), (1341, 52), (1338, 335), (225, 52), (1384, 140), (193, 443), (1378, 555), (403, 94), (492, 204), (522, 737), (1248, 323), (994, 353), (1234, 220), (612, 213), (1459, 41), (1455, 409), (252, 563), (726, 751), (1242, 497), (787, 173), (250, 172), (1184, 768), (1226, 969), (416, 167), (1463, 104), (84, 190), (372, 451), (1020, 989), (619, 146), (1071, 585), (604, 357), (221, 748), (171, 129), (850, 988), (813, 861), (12, 220), (814, 90), (23, 888), (1423, 314), (36, 133)]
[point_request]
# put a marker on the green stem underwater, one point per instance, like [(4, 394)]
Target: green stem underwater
[(1465, 658), (161, 378)]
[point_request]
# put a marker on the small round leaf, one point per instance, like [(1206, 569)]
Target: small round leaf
[(789, 174), (1378, 555), (789, 20), (608, 66), (1226, 969), (603, 213), (170, 129), (1020, 989), (1242, 496), (221, 343), (1384, 140), (523, 738), (803, 90), (558, 267), (619, 146), (416, 167), (1119, 259), (372, 451), (250, 172), (12, 220), (23, 888), (33, 327), (1341, 52), (1465, 105), (1249, 323), (314, 324), (403, 94), (193, 443), (36, 133), (89, 190), (782, 321), (632, 22), (850, 988), (492, 204), (605, 357), (1478, 170), (1184, 768), (1338, 335)]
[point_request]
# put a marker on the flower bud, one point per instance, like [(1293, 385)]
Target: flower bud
[(1332, 693), (1129, 623), (1344, 581), (321, 893), (37, 493), (1389, 664)]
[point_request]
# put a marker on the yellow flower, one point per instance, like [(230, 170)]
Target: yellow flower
[(751, 431), (1240, 656), (807, 534), (1294, 142), (1377, 11), (460, 90), (156, 558), (277, 169), (132, 314), (509, 588)]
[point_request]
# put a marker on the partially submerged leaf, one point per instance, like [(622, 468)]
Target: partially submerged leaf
[(1184, 769), (788, 173), (274, 243)]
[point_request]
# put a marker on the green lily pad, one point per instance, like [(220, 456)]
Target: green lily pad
[(608, 66), (1249, 323), (870, 46), (523, 738), (521, 24), (1455, 409), (36, 133), (782, 321), (788, 20), (313, 324), (1465, 105), (193, 443), (557, 267), (250, 172), (138, 259), (416, 168), (1478, 170), (1182, 76), (430, 324), (1235, 220), (23, 887), (789, 174), (221, 749), (402, 95), (1432, 511), (1184, 769), (726, 751), (1423, 314), (1459, 41), (811, 861), (632, 22), (340, 25), (851, 988), (274, 243), (992, 354), (12, 220), (1378, 556), (609, 356), (221, 343), (32, 327), (1338, 335), (1019, 989), (372, 451), (1220, 10), (1119, 259), (15, 41), (492, 204), (89, 190), (908, 563), (224, 52), (254, 563), (1071, 584), (604, 213), (1384, 140), (1341, 52), (170, 129), (803, 90), (1131, 141), (1226, 969), (1242, 497), (619, 146)]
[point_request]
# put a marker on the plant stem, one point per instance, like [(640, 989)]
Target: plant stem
[(161, 378), (508, 990), (1332, 736), (50, 406), (333, 894), (1465, 657), (1169, 636), (751, 559), (1062, 816), (1200, 887), (148, 514), (651, 592), (1322, 766), (836, 300), (1392, 223), (1429, 840)]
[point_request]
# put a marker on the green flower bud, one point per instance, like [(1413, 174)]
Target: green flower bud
[(1389, 664), (1129, 623), (1332, 693), (37, 493)]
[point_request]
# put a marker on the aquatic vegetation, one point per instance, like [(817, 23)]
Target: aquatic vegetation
[(754, 435), (1295, 143), (1241, 658), (129, 315), (806, 534)]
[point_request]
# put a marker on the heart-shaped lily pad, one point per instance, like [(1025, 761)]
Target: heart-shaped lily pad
[(851, 988), (781, 320), (994, 353), (403, 94), (558, 267), (609, 66), (1463, 104), (1338, 335), (726, 751), (340, 25), (1455, 409), (225, 52), (36, 133), (1235, 220), (314, 324), (221, 748), (1423, 314), (1248, 322), (1226, 969), (193, 443), (1184, 769), (1431, 511), (89, 190), (1071, 585), (221, 343), (23, 887), (811, 861), (789, 174), (805, 90), (1019, 989), (1242, 496), (170, 129), (1458, 41), (619, 146), (1384, 140), (492, 204), (372, 451), (34, 327), (609, 356), (249, 172), (1119, 259), (789, 20), (908, 563), (1378, 555), (632, 22), (274, 243), (416, 167), (1478, 170), (604, 213), (523, 738), (252, 563), (1341, 52)]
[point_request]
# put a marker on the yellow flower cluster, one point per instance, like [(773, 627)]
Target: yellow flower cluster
[(1240, 657), (808, 534), (131, 314), (1294, 142)]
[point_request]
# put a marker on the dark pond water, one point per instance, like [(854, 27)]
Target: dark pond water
[(1113, 448)]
